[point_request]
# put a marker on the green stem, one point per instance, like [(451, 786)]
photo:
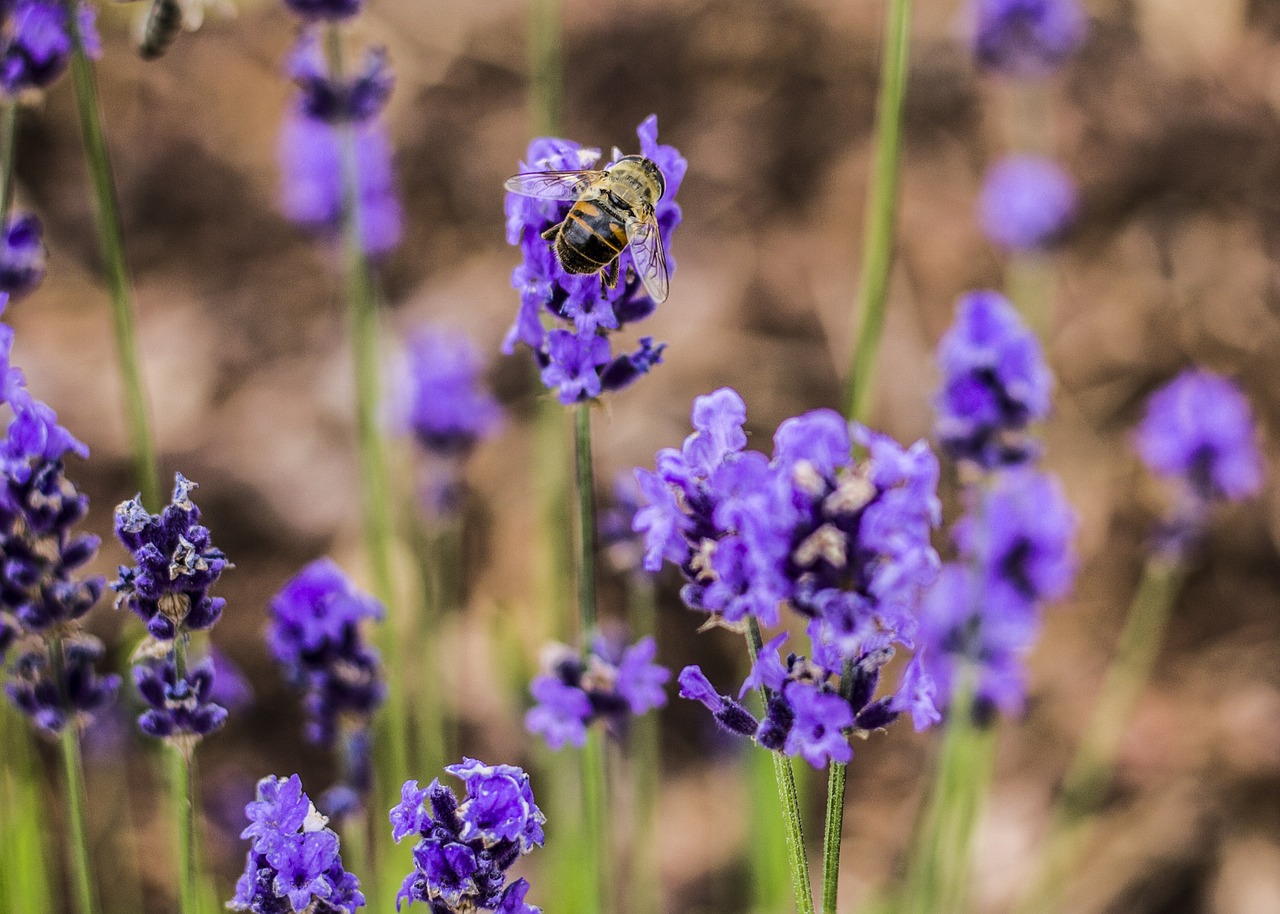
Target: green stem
[(1089, 776), (833, 829), (111, 240), (182, 787), (586, 498), (8, 135), (881, 212), (790, 799), (545, 64), (644, 893), (378, 527), (595, 787), (73, 766)]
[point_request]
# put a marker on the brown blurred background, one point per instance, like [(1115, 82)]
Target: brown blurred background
[(1170, 120)]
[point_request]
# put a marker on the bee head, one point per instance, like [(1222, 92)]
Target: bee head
[(649, 168)]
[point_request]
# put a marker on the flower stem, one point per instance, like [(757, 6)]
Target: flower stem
[(1089, 776), (834, 826), (937, 872), (182, 789), (111, 240), (586, 523), (73, 766), (881, 212), (362, 301), (8, 136), (24, 877), (595, 792), (644, 892), (790, 799), (546, 67)]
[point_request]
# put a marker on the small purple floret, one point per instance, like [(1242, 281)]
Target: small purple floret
[(1027, 203)]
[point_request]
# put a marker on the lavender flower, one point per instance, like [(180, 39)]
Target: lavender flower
[(994, 384), (180, 707), (326, 98), (843, 543), (324, 10), (1027, 203), (465, 848), (21, 255), (310, 153), (611, 683), (575, 356), (175, 565), (449, 409), (1199, 430), (314, 634), (41, 597), (293, 864), (1026, 38), (37, 43)]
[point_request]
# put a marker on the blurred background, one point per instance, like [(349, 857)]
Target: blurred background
[(1169, 120)]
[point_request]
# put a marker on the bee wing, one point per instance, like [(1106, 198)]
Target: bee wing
[(553, 185), (650, 259)]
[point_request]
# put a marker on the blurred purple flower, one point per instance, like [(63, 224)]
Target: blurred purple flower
[(37, 43), (1025, 38), (1027, 203), (326, 98), (22, 255), (449, 409)]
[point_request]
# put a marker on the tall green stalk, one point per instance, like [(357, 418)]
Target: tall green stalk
[(644, 889), (73, 770), (546, 66), (881, 212), (1089, 776), (8, 136), (789, 797), (873, 293), (111, 241), (594, 773), (182, 796), (24, 876)]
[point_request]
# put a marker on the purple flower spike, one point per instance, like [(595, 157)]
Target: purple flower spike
[(817, 733), (37, 44), (449, 409), (21, 255), (465, 848), (331, 100), (1199, 429), (576, 358), (1027, 203), (1026, 38), (310, 157), (293, 864), (324, 10), (994, 383)]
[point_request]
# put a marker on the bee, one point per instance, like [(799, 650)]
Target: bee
[(159, 28), (612, 209)]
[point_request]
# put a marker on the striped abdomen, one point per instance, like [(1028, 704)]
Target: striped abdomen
[(591, 236)]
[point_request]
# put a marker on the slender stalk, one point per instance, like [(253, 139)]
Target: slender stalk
[(73, 770), (545, 63), (586, 498), (881, 212), (790, 799), (1089, 776), (111, 241), (644, 891), (595, 794), (24, 876), (182, 790), (873, 292), (8, 135), (833, 829), (378, 526)]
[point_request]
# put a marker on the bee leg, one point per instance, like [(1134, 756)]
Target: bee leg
[(551, 233), (609, 277)]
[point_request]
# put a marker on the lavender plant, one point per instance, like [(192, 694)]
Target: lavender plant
[(843, 543), (175, 565), (53, 676), (1027, 203), (315, 635), (465, 847), (1025, 38), (293, 865)]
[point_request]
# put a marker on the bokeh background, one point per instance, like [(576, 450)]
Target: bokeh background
[(1170, 121)]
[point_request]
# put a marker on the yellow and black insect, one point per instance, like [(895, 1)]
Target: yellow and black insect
[(160, 27), (612, 208)]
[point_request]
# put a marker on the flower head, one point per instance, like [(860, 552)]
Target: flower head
[(175, 565), (1027, 203), (576, 357), (465, 847), (52, 698), (611, 683), (180, 709), (1199, 429), (449, 408), (1026, 37), (293, 865), (38, 42), (325, 97), (324, 10), (994, 383), (844, 543)]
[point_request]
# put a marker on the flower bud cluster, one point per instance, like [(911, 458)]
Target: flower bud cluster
[(576, 356), (842, 542), (465, 848), (293, 865), (37, 41), (610, 683), (41, 598)]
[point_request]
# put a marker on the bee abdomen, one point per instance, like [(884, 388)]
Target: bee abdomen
[(163, 22), (589, 239)]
